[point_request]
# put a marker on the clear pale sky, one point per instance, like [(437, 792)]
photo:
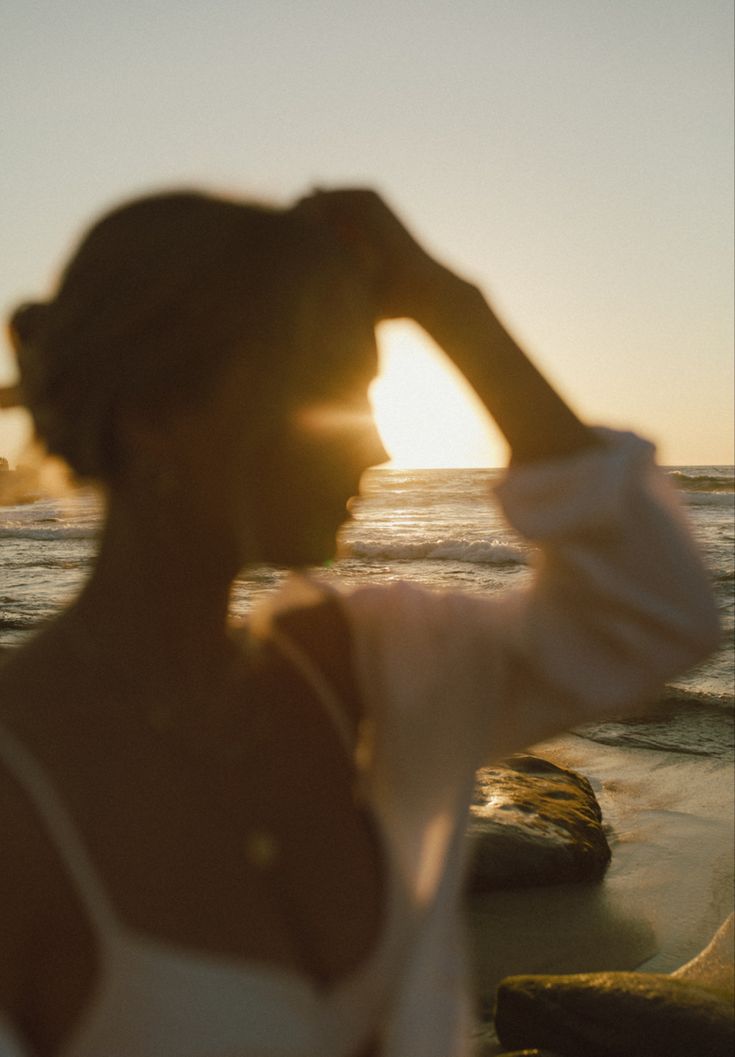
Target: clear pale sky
[(572, 156)]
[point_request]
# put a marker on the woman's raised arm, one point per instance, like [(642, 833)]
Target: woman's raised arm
[(408, 282)]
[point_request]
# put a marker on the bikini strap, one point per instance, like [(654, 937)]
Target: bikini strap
[(313, 676), (315, 640), (60, 829)]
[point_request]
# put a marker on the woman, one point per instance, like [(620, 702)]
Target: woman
[(250, 842)]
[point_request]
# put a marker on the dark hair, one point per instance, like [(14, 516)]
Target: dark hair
[(160, 294)]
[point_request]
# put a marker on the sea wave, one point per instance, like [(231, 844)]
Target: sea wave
[(58, 532), (702, 482), (679, 697), (17, 622), (458, 550), (690, 722), (50, 561)]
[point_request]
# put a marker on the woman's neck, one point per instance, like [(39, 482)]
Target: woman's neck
[(157, 602)]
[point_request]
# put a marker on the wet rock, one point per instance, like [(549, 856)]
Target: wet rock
[(534, 823), (614, 1015), (18, 486), (484, 1043), (529, 1053), (714, 967)]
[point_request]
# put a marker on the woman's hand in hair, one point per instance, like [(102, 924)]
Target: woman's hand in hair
[(404, 277), (408, 281)]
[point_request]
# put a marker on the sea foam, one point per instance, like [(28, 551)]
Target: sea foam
[(489, 552)]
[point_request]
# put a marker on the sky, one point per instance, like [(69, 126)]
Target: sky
[(573, 157)]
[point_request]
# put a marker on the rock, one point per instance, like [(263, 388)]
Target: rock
[(530, 1053), (534, 823), (714, 967), (484, 1043), (614, 1015), (18, 486)]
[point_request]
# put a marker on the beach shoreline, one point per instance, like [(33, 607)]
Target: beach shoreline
[(668, 888)]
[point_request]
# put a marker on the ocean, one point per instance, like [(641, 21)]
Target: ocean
[(664, 780), (438, 528)]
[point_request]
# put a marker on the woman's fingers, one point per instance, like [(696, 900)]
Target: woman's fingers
[(392, 260), (341, 213)]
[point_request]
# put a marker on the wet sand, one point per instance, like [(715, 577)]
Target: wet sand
[(668, 889)]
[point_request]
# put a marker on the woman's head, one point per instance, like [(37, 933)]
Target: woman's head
[(165, 298), (161, 295)]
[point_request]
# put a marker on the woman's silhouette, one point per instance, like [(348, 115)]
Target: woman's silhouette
[(222, 841)]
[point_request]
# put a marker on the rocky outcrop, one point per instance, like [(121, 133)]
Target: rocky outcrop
[(534, 823), (714, 967), (530, 1053), (614, 1015), (18, 486)]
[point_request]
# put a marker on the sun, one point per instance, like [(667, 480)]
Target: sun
[(426, 413)]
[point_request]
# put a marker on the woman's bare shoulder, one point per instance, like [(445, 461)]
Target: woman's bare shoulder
[(33, 888), (45, 934), (32, 676), (31, 685), (28, 864)]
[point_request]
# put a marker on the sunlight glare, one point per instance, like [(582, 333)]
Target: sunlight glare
[(426, 413)]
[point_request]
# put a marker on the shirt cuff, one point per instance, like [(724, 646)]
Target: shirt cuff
[(579, 494)]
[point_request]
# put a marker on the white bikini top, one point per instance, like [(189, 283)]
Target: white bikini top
[(154, 998)]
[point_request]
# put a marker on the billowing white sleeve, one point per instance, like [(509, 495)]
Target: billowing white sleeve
[(619, 602)]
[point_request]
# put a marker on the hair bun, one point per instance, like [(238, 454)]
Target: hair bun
[(26, 323)]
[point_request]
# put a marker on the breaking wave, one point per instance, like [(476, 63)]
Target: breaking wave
[(58, 532), (457, 550), (693, 723), (702, 482)]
